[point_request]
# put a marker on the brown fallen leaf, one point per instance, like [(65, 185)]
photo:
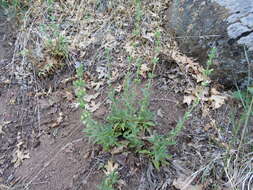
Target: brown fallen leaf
[(117, 150), (59, 120), (217, 101), (96, 85), (119, 88), (92, 107), (189, 99), (1, 130), (19, 156), (70, 79), (214, 91), (89, 98), (129, 47), (160, 113), (181, 184), (144, 70), (68, 95), (110, 167)]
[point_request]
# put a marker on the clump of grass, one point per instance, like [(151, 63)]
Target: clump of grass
[(55, 42), (58, 46), (55, 46), (240, 126)]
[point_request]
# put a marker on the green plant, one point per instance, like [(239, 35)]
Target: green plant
[(208, 71), (128, 119), (241, 124), (55, 42), (109, 181), (138, 17), (158, 151), (15, 8), (16, 4), (58, 46), (129, 123)]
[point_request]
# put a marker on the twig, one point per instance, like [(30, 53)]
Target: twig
[(203, 36), (162, 99)]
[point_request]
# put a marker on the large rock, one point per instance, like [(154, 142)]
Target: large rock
[(227, 25)]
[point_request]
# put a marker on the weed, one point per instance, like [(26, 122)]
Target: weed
[(129, 123), (58, 46), (238, 158), (208, 71), (55, 45), (128, 120), (109, 181), (246, 98), (138, 17), (55, 42), (158, 151)]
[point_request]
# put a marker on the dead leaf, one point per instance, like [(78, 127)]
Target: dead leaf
[(181, 184), (7, 81), (19, 157), (64, 81), (89, 98), (102, 72), (114, 75), (117, 150), (129, 47), (1, 130), (96, 85), (160, 113), (119, 88), (59, 120), (217, 101), (13, 101), (92, 107), (69, 96), (149, 36), (214, 91), (109, 37), (6, 123), (189, 99), (39, 94), (144, 70), (110, 167)]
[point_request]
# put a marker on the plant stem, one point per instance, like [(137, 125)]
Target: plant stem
[(245, 124)]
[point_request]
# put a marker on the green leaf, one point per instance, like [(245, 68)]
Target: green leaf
[(150, 123), (238, 95), (144, 152), (250, 90)]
